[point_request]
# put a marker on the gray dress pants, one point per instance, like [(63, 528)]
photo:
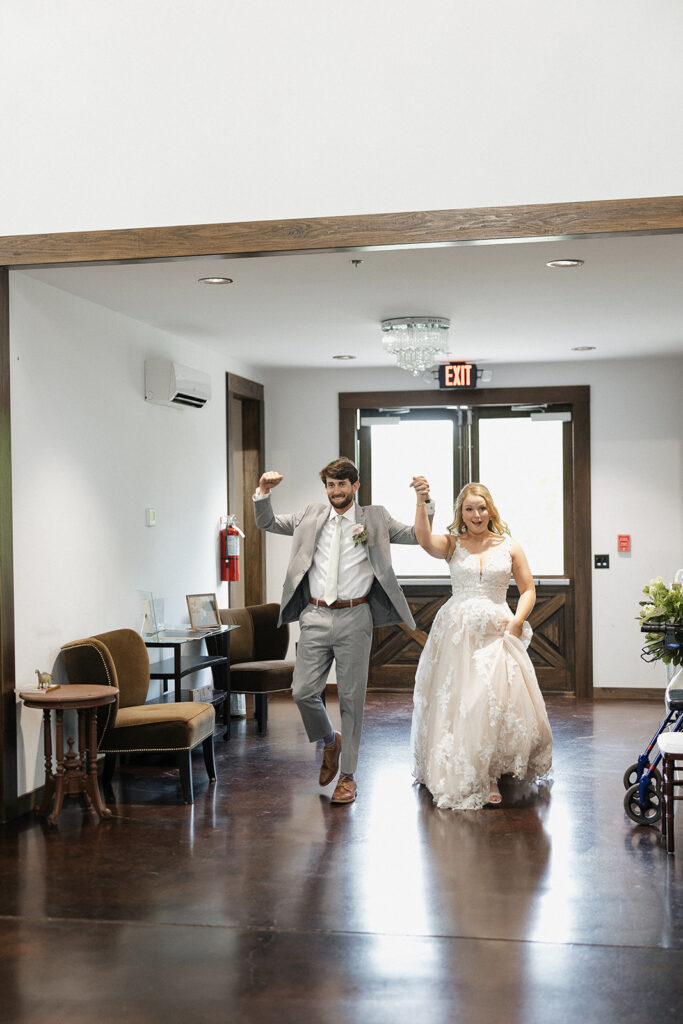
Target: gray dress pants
[(345, 636)]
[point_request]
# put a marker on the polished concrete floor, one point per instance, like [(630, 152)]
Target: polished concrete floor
[(264, 903)]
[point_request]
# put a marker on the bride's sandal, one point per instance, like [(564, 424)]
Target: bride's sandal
[(494, 794)]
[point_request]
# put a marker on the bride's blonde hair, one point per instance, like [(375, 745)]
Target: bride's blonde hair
[(495, 525)]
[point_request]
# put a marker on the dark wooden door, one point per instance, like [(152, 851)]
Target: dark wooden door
[(396, 649), (552, 646), (562, 647)]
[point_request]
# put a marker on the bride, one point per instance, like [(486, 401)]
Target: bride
[(478, 710)]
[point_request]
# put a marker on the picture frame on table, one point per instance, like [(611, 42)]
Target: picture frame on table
[(203, 610), (148, 611)]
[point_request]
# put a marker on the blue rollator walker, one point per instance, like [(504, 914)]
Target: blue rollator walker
[(643, 780)]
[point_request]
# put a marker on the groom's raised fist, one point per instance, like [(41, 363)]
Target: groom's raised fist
[(268, 480)]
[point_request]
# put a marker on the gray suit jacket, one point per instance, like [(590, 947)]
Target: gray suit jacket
[(387, 601)]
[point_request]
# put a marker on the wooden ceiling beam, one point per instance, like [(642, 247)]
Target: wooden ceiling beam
[(435, 227)]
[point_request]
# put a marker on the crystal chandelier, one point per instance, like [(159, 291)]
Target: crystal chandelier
[(415, 340)]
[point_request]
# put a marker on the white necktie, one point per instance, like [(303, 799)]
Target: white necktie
[(333, 564)]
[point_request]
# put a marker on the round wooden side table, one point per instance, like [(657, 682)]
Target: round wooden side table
[(76, 772)]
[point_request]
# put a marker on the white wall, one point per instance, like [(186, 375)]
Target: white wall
[(89, 455), (135, 114), (636, 478)]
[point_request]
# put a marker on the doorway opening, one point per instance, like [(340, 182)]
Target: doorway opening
[(530, 448), (246, 454)]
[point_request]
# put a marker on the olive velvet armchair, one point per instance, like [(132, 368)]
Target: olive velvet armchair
[(257, 652), (119, 658)]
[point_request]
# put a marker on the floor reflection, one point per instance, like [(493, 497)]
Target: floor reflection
[(484, 867), (268, 895)]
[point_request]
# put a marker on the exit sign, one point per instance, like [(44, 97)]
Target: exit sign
[(457, 375)]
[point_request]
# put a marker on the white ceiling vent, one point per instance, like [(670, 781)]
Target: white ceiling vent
[(168, 383)]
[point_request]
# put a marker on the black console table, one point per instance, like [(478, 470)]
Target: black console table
[(182, 664)]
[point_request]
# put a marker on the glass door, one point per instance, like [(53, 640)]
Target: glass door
[(396, 445), (522, 456)]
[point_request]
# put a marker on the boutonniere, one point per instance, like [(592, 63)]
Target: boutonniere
[(359, 534)]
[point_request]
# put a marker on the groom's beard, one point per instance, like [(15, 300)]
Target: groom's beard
[(341, 504)]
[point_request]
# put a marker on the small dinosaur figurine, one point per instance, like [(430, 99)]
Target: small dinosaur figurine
[(44, 681)]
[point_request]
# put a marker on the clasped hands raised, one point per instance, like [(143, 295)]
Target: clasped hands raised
[(421, 488)]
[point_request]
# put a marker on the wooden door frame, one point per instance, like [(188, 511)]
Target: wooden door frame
[(249, 396), (541, 222), (8, 715), (580, 527)]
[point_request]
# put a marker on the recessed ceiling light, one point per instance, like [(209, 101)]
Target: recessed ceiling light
[(343, 357), (584, 348), (565, 263), (214, 280)]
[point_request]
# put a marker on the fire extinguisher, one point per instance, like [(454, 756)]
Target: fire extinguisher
[(230, 549)]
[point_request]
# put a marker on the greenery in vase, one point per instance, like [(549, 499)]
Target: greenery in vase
[(664, 605)]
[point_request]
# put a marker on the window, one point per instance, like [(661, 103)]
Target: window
[(518, 455), (520, 461), (404, 447)]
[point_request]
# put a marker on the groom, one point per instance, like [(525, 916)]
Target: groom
[(339, 585)]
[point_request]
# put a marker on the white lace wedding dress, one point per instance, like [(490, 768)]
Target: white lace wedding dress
[(478, 713)]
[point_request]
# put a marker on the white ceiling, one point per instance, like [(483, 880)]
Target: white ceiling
[(505, 304)]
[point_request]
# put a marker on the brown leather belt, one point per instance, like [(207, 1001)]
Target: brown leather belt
[(339, 604)]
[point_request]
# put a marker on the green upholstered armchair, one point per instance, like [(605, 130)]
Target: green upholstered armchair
[(257, 652), (120, 658)]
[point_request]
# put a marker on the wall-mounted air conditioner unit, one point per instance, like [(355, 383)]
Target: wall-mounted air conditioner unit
[(168, 383)]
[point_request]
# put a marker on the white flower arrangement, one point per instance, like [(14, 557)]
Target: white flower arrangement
[(663, 606)]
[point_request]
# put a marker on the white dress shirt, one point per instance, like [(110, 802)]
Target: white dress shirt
[(355, 572)]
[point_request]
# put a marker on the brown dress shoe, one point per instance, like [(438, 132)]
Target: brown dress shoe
[(345, 791), (330, 765)]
